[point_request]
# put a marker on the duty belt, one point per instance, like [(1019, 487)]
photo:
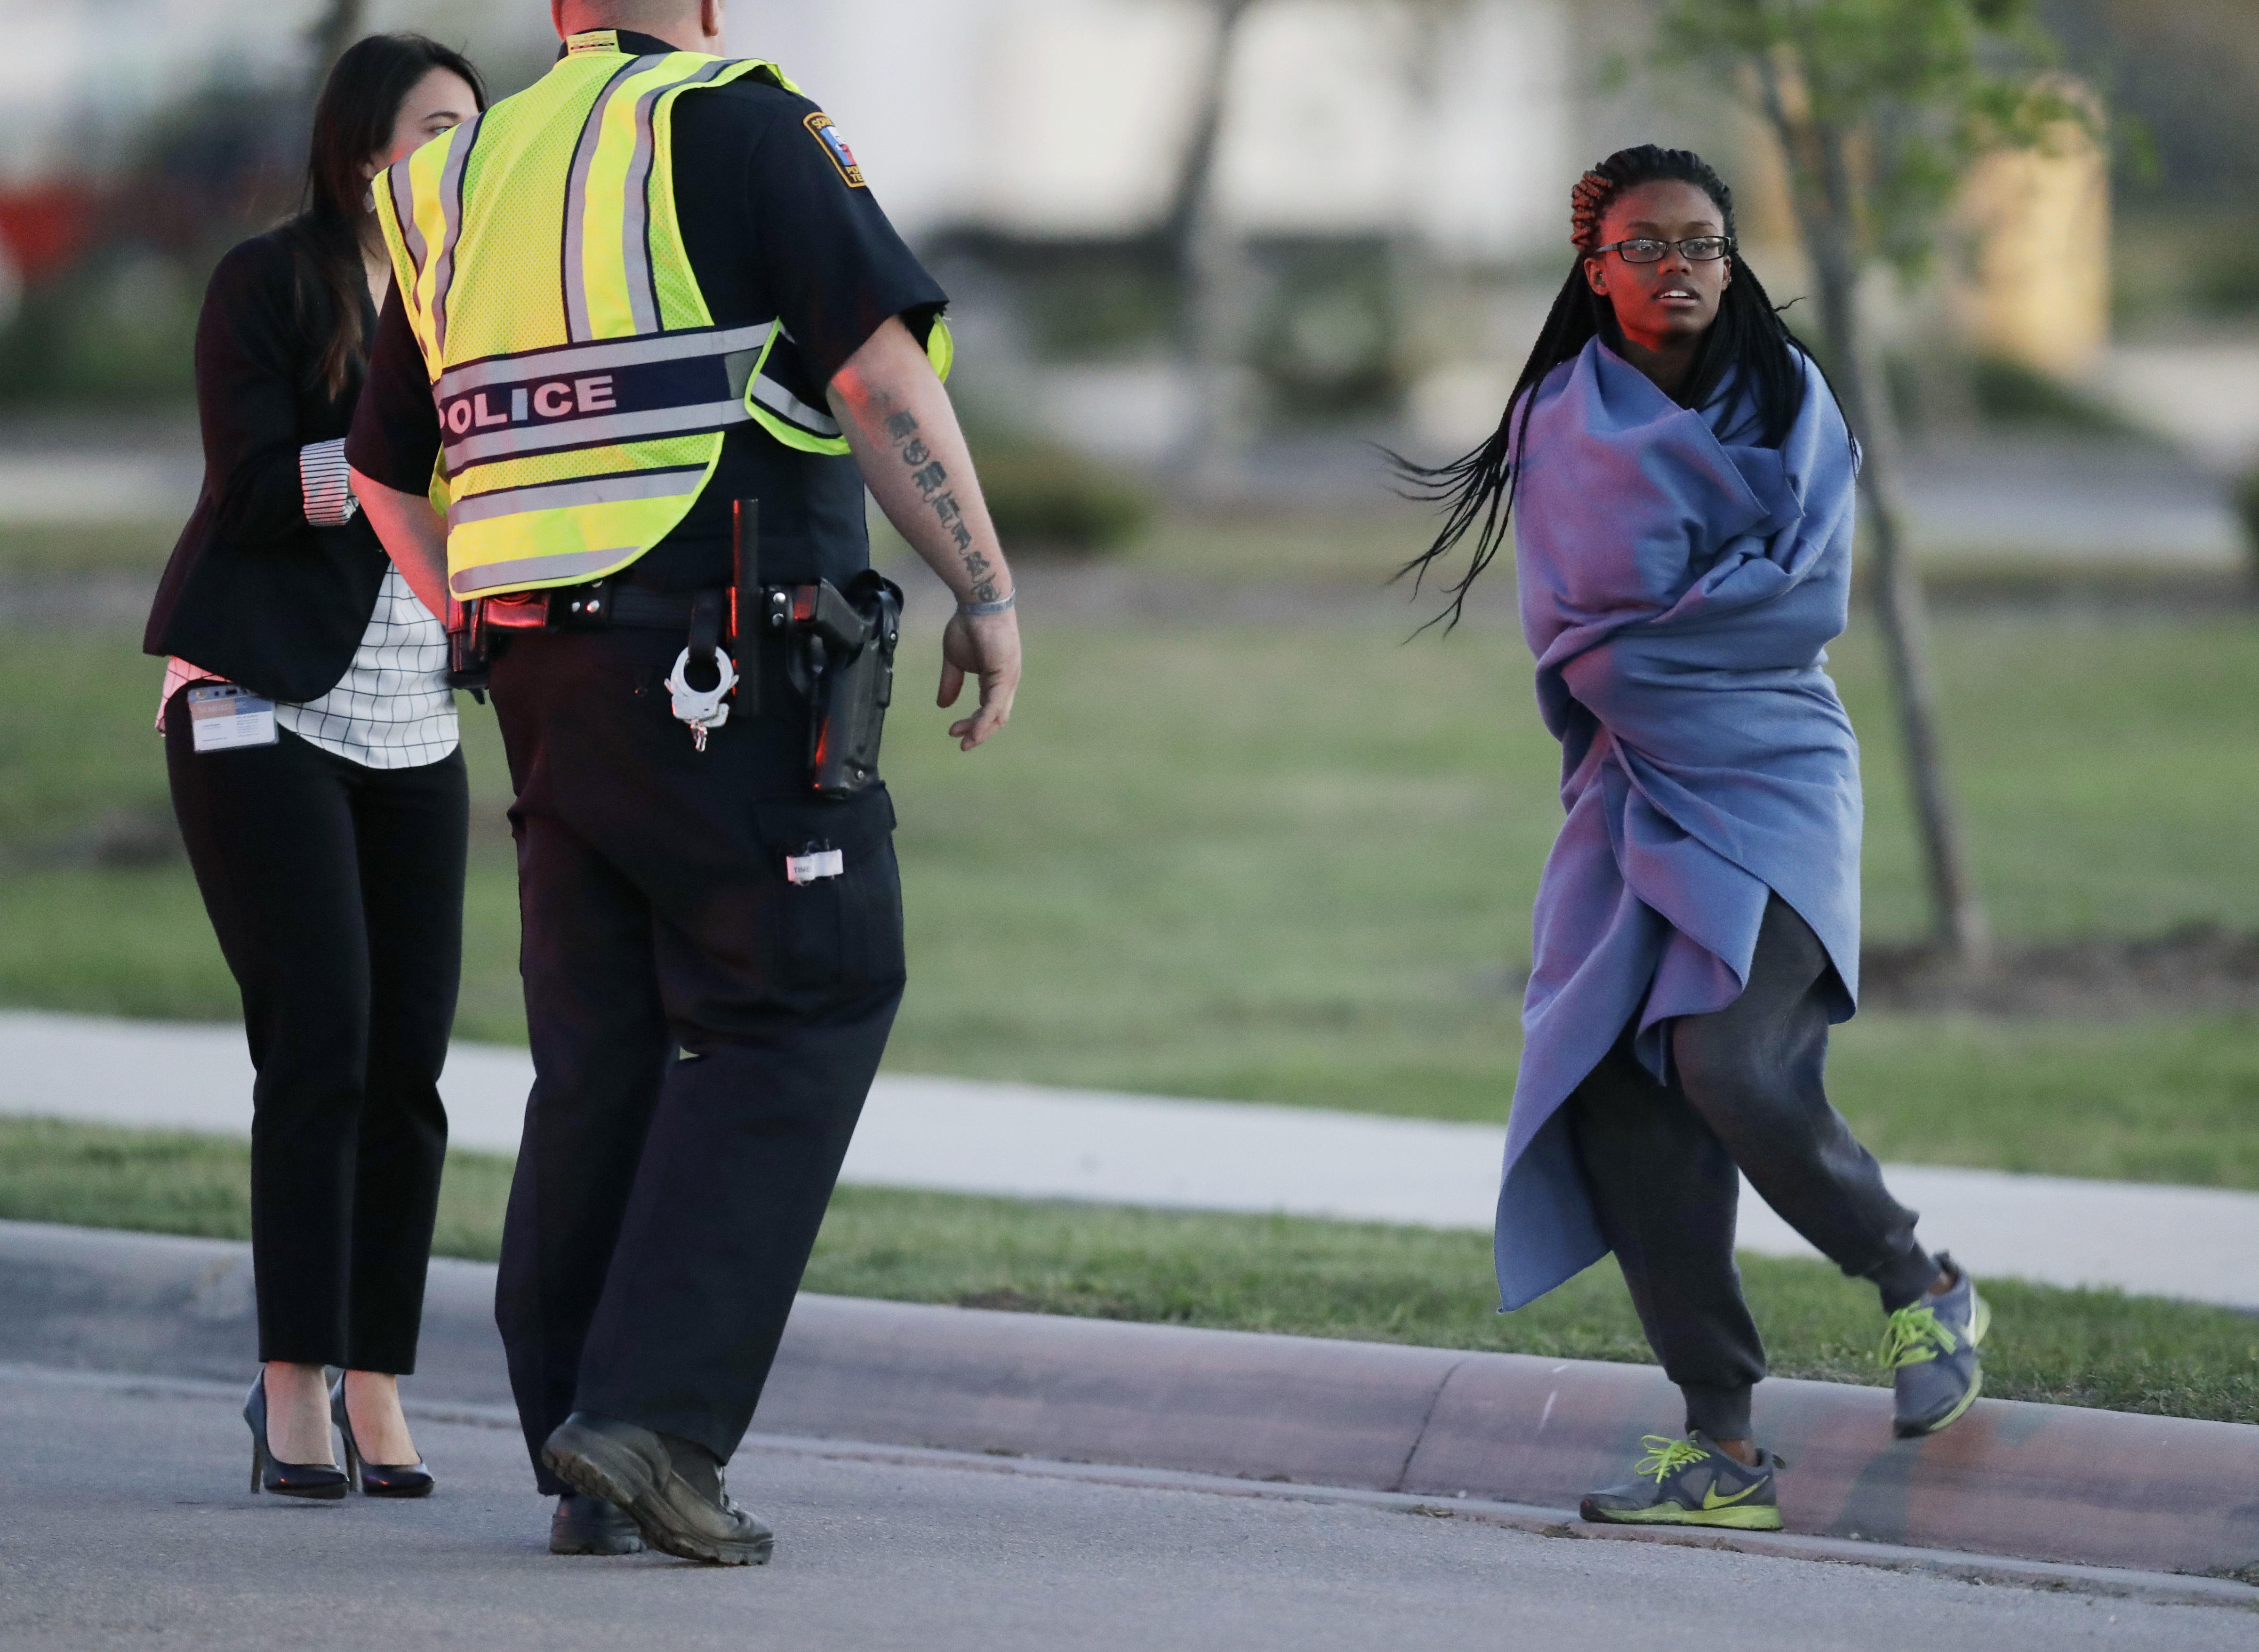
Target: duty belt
[(838, 649), (601, 605)]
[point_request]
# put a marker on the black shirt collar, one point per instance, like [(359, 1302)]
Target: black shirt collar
[(631, 43)]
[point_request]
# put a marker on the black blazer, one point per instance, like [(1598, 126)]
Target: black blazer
[(255, 591)]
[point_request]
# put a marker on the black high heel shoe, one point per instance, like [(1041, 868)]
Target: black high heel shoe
[(377, 1479), (317, 1480)]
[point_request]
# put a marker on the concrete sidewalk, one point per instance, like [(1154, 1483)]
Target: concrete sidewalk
[(964, 1135)]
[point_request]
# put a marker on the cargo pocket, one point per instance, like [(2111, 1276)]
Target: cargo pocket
[(838, 893)]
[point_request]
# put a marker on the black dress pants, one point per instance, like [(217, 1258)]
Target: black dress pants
[(336, 895), (704, 1033), (1665, 1163)]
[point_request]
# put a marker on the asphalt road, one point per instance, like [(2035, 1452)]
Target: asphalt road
[(124, 1520)]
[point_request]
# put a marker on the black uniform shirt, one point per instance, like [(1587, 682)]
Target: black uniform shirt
[(776, 230)]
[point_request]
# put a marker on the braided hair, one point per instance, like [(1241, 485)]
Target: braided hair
[(1747, 353)]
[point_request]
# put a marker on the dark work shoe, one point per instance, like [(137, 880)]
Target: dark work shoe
[(1691, 1482), (1929, 1347), (590, 1525), (670, 1488)]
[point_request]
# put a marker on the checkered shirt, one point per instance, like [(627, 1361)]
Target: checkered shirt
[(392, 709)]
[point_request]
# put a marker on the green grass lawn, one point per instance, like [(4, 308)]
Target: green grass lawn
[(1295, 864), (48, 549), (1279, 1274)]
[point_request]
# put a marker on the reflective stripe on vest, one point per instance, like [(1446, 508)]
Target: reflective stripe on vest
[(582, 383), (577, 396)]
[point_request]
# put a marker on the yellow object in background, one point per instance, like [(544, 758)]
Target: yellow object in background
[(2039, 291)]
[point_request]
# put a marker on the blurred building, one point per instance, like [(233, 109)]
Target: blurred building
[(1040, 148), (78, 75), (1042, 118), (1069, 118), (1386, 205)]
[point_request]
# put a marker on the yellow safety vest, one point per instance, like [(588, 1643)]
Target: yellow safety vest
[(582, 385)]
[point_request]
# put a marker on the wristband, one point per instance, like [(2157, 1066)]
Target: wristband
[(982, 610)]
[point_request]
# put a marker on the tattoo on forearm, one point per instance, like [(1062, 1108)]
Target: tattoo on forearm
[(932, 479)]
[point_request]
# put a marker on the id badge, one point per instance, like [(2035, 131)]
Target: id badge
[(223, 717)]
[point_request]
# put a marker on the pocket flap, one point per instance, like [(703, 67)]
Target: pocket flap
[(854, 825)]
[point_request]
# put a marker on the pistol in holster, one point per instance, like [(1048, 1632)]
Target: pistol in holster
[(838, 649), (840, 654), (470, 649)]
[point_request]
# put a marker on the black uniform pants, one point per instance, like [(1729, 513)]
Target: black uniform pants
[(1665, 1163), (704, 1033), (336, 895)]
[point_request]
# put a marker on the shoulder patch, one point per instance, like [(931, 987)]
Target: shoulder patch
[(825, 132)]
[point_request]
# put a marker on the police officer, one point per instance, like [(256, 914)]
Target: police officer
[(650, 285)]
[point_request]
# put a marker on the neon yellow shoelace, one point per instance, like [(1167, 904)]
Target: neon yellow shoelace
[(1664, 1454), (1912, 1336)]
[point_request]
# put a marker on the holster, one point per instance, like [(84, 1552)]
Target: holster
[(840, 654), (470, 650)]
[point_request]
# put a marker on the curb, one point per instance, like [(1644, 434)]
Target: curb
[(2029, 1483), (2099, 1582)]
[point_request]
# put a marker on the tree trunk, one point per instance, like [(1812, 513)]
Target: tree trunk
[(1189, 201), (1213, 281), (338, 27), (1825, 206)]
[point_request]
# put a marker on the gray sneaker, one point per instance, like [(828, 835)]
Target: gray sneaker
[(1691, 1482), (670, 1489), (1929, 1347)]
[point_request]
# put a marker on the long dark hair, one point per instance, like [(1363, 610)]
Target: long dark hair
[(1747, 344), (354, 119)]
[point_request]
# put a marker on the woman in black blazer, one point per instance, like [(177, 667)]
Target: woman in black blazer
[(311, 740)]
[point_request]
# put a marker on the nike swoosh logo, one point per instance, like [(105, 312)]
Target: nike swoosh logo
[(1711, 1499)]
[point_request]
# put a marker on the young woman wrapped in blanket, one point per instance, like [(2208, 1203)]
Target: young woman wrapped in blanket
[(1679, 480)]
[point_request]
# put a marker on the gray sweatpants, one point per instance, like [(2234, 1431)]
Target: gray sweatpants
[(1663, 1163)]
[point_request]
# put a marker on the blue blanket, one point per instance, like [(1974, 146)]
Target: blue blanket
[(1679, 585)]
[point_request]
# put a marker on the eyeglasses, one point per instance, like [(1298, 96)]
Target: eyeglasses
[(1702, 249)]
